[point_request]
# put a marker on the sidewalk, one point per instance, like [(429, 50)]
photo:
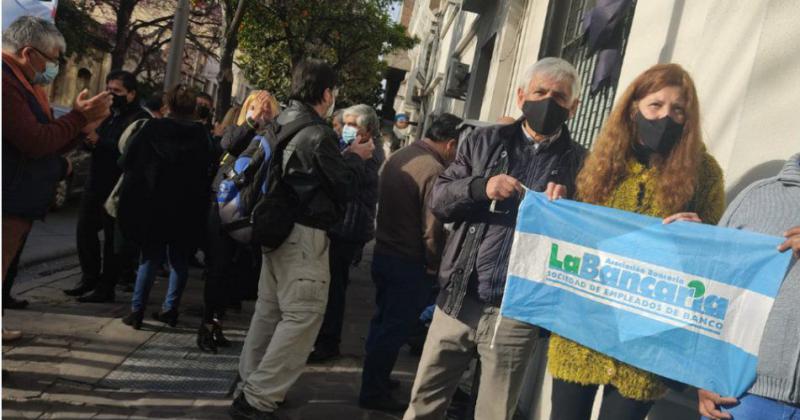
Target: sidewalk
[(80, 361)]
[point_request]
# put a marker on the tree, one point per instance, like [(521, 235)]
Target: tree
[(83, 35), (233, 11), (135, 32), (352, 35)]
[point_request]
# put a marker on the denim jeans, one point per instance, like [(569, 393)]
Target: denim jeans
[(753, 407), (152, 257), (402, 291)]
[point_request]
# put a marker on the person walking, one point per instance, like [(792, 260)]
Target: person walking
[(163, 199), (649, 158), (293, 287), (408, 247)]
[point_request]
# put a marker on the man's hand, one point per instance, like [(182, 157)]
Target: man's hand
[(95, 108), (501, 187), (683, 217), (708, 403), (555, 191), (792, 241), (362, 149)]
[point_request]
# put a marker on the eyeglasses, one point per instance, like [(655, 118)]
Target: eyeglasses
[(54, 60)]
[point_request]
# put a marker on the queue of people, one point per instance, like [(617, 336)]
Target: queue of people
[(315, 187)]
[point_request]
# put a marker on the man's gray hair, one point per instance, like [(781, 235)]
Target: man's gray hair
[(31, 31), (338, 116), (365, 117), (553, 67)]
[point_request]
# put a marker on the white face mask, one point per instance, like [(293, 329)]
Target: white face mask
[(250, 114)]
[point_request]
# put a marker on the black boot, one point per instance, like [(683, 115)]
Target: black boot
[(11, 303), (205, 339), (83, 287), (169, 317), (99, 295), (219, 337), (134, 319)]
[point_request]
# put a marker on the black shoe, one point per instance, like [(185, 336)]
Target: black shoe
[(98, 296), (134, 319), (205, 340), (219, 337), (242, 410), (169, 317), (388, 404), (11, 303), (323, 354), (82, 288)]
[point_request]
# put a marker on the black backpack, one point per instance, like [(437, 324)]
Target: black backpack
[(276, 211)]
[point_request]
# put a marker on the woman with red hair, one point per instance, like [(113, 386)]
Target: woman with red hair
[(649, 158)]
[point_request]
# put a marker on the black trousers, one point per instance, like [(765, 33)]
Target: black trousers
[(230, 268), (11, 274), (573, 401), (104, 269), (340, 254)]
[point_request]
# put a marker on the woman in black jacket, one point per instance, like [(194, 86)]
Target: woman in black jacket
[(163, 199), (223, 251)]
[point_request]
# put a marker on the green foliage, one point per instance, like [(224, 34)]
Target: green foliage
[(352, 35)]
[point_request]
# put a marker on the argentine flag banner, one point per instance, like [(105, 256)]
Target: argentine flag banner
[(686, 301)]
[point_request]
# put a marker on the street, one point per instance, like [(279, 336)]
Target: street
[(79, 360)]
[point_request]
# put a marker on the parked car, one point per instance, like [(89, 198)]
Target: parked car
[(74, 183)]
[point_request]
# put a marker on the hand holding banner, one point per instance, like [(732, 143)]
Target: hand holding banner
[(685, 301)]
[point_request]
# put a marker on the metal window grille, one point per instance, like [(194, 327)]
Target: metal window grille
[(593, 109)]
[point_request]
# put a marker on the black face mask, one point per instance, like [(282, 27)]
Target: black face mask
[(203, 112), (544, 116), (660, 135), (119, 101)]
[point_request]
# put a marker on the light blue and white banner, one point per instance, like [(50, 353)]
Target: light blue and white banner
[(686, 301)]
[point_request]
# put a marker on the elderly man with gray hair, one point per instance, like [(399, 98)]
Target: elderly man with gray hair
[(360, 123), (33, 140), (480, 193)]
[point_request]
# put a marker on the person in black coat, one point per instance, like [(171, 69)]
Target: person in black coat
[(229, 263), (164, 198)]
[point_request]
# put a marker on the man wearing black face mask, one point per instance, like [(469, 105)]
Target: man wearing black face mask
[(480, 193), (103, 175)]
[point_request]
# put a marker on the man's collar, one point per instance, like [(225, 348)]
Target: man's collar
[(544, 142)]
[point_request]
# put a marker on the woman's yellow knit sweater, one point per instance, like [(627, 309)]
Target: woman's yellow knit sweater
[(572, 362)]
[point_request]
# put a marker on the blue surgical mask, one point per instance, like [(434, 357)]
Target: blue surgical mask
[(47, 76), (349, 134)]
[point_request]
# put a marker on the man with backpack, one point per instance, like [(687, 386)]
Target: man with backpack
[(309, 183)]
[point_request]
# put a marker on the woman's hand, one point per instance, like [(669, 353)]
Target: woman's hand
[(683, 217), (792, 241), (709, 401)]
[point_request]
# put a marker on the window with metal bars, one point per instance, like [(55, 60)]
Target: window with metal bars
[(563, 37)]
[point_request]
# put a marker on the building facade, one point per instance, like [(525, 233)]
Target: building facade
[(743, 57)]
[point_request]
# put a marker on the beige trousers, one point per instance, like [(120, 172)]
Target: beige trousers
[(450, 346), (292, 295)]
